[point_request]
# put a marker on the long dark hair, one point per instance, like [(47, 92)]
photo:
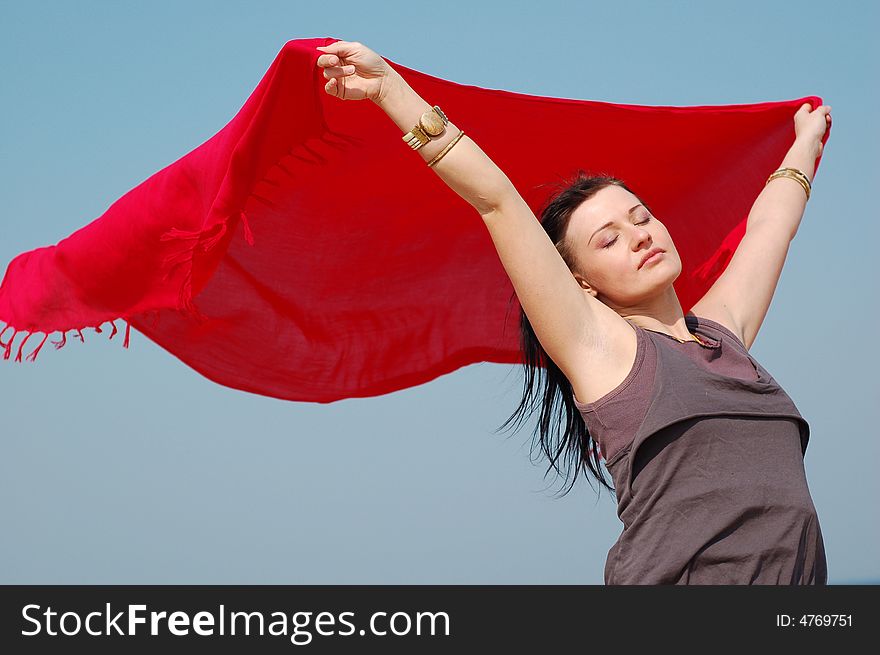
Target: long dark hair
[(572, 446)]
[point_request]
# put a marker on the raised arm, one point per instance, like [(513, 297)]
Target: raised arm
[(570, 323), (741, 296)]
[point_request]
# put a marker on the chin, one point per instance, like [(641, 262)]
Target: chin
[(674, 270), (671, 270)]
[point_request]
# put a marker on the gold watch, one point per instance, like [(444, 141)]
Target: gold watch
[(431, 124)]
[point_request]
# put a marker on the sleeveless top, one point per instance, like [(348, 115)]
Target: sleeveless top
[(706, 451)]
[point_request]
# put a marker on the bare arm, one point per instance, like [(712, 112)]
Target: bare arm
[(567, 320), (466, 168), (741, 296), (781, 204)]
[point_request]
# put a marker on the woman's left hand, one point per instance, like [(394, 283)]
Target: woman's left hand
[(810, 125)]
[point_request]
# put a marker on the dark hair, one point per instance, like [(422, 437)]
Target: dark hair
[(575, 447)]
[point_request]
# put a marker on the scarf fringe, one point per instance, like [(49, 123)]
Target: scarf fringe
[(187, 241), (248, 235), (32, 357), (183, 252)]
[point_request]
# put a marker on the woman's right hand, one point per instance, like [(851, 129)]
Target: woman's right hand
[(810, 125), (354, 71)]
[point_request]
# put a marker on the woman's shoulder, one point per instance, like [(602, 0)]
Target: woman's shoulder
[(601, 384)]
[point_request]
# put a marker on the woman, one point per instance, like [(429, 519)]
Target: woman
[(704, 447)]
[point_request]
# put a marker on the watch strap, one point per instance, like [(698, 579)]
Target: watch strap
[(419, 135)]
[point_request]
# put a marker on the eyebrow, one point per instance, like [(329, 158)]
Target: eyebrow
[(610, 223)]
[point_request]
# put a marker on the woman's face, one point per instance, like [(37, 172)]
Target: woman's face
[(610, 234)]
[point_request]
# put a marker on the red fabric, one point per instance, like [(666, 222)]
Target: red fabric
[(305, 252)]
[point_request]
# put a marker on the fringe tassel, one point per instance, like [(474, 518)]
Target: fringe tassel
[(173, 260), (195, 239), (21, 345), (185, 300), (33, 356), (60, 344), (248, 235), (7, 350), (209, 242), (183, 256), (175, 233)]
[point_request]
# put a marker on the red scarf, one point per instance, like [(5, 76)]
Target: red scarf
[(305, 252)]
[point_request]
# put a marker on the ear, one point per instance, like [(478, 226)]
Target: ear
[(586, 286)]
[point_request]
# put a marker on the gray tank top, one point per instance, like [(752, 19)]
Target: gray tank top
[(706, 453)]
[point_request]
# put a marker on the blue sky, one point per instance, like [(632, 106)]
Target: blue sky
[(125, 466)]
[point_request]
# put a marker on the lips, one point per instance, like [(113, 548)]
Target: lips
[(649, 254)]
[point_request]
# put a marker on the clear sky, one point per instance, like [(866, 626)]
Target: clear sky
[(126, 466)]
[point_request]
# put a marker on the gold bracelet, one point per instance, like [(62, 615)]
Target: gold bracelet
[(449, 145), (795, 174)]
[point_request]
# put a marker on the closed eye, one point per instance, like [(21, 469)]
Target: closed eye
[(611, 243)]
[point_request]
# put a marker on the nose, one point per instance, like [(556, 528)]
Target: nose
[(643, 238)]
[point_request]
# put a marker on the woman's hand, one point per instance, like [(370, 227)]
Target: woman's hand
[(354, 71), (810, 126)]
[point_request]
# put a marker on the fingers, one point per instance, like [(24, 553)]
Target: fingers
[(807, 106), (329, 60), (333, 67), (338, 71), (326, 61), (822, 109), (340, 48), (336, 46), (333, 87)]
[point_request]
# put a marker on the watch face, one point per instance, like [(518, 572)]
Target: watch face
[(431, 123)]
